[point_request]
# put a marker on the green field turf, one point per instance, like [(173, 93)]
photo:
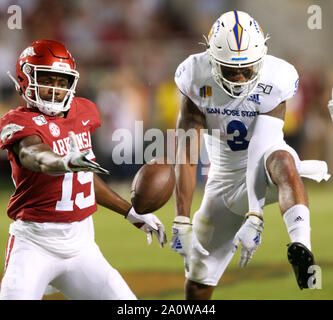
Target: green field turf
[(155, 273)]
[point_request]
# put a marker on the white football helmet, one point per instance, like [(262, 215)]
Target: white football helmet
[(236, 40)]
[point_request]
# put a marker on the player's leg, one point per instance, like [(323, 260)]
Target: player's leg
[(198, 291), (292, 195), (90, 277), (283, 172), (215, 227), (283, 167), (28, 271)]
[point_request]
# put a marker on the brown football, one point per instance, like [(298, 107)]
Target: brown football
[(152, 187)]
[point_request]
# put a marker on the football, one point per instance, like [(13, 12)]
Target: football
[(152, 187)]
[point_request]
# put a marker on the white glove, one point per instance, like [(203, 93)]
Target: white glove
[(150, 224), (249, 235), (330, 106), (77, 160), (184, 239)]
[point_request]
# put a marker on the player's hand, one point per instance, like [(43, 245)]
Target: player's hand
[(183, 239), (77, 160), (150, 224), (330, 106), (249, 236)]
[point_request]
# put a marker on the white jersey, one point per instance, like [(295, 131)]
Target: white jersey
[(230, 121)]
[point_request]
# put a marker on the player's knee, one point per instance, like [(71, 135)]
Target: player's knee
[(281, 166)]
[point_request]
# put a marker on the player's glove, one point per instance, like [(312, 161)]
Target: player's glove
[(330, 106), (150, 224), (77, 160), (183, 239), (249, 235)]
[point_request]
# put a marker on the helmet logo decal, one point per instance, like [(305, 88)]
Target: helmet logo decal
[(258, 27), (215, 29), (27, 52), (238, 32), (61, 65)]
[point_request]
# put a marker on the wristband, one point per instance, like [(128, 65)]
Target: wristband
[(258, 215), (182, 220), (131, 210)]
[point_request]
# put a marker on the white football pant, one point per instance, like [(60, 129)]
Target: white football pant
[(29, 269), (222, 212)]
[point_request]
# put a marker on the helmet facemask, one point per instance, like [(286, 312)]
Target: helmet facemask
[(49, 107), (223, 72)]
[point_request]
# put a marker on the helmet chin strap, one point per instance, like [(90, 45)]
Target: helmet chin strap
[(50, 107), (230, 90), (51, 103)]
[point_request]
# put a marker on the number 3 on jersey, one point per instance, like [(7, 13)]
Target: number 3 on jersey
[(238, 143)]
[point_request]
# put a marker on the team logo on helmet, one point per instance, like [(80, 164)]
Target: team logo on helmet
[(215, 29), (28, 52), (238, 31)]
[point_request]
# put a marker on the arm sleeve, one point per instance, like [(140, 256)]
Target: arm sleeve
[(268, 131)]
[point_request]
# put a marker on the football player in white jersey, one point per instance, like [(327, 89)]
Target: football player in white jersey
[(236, 89)]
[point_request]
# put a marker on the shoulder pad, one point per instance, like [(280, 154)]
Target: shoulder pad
[(278, 83)]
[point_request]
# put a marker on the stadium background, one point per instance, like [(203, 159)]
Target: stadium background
[(127, 53)]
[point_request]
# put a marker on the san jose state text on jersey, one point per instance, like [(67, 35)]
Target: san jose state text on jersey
[(229, 112)]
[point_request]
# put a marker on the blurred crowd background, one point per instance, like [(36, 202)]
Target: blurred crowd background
[(128, 50)]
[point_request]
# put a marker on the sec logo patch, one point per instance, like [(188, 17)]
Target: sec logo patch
[(54, 129)]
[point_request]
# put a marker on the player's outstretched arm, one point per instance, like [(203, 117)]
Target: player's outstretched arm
[(190, 122), (37, 156), (108, 198), (148, 223)]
